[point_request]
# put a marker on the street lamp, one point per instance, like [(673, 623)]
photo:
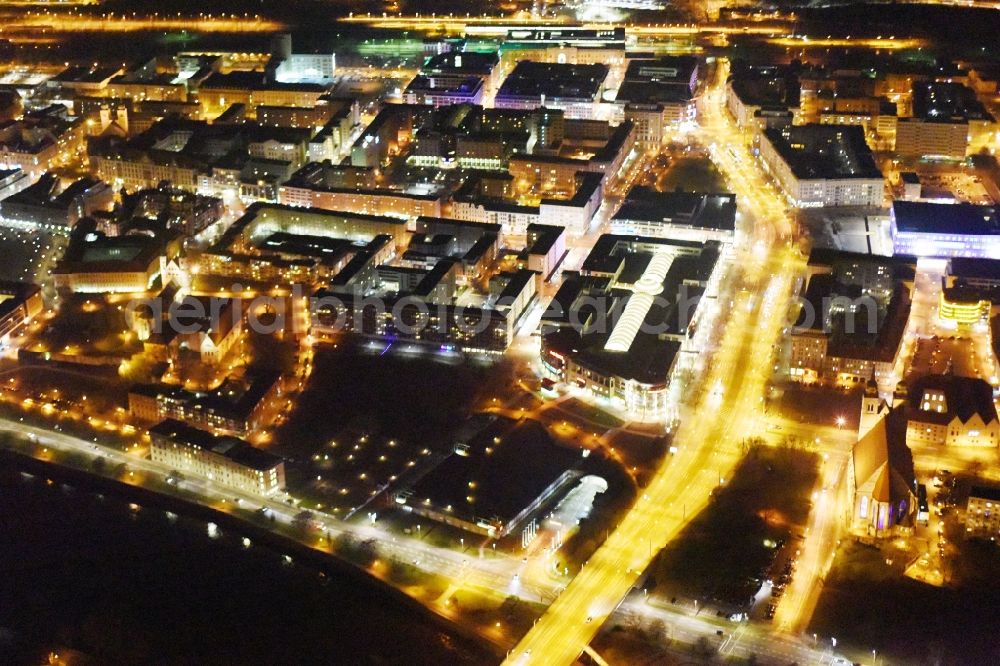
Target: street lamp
[(841, 422)]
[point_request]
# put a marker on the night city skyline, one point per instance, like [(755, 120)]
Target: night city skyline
[(543, 332)]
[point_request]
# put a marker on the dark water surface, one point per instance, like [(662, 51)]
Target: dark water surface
[(127, 585)]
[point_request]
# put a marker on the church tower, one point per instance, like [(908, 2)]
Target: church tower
[(873, 408)]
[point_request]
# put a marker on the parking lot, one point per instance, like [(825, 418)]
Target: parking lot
[(960, 186)]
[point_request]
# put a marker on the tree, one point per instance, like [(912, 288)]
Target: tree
[(703, 648)]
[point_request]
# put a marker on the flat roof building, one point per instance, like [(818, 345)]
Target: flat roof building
[(493, 483), (945, 230), (225, 460), (544, 249), (752, 88), (853, 316), (948, 121), (576, 89), (693, 216), (823, 165), (455, 77), (567, 35), (412, 305), (13, 181), (620, 326), (666, 83), (299, 245)]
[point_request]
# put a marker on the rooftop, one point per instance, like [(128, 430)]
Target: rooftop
[(934, 218), (237, 450), (96, 252), (695, 209), (765, 85), (664, 79), (824, 151), (947, 102), (632, 335), (985, 492), (82, 74), (975, 269), (233, 399), (461, 62), (494, 482), (255, 81), (964, 397), (576, 35), (13, 294), (882, 451), (433, 84), (542, 237), (534, 79)]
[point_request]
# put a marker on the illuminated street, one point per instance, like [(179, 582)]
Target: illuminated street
[(708, 448), (605, 332), (467, 571)]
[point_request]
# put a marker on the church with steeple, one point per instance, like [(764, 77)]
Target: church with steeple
[(881, 483)]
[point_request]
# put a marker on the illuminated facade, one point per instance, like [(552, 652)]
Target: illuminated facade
[(963, 307), (576, 89), (881, 482), (631, 359), (39, 140), (437, 325), (455, 77), (752, 89), (40, 205), (235, 408), (947, 410), (299, 245), (822, 165), (220, 91), (693, 216), (224, 460), (982, 513), (657, 94), (121, 264), (945, 230), (948, 122), (19, 304), (386, 202), (852, 320)]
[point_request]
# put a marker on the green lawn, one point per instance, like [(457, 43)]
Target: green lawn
[(723, 547), (693, 174), (868, 604)]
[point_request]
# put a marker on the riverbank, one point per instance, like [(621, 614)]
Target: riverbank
[(102, 568)]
